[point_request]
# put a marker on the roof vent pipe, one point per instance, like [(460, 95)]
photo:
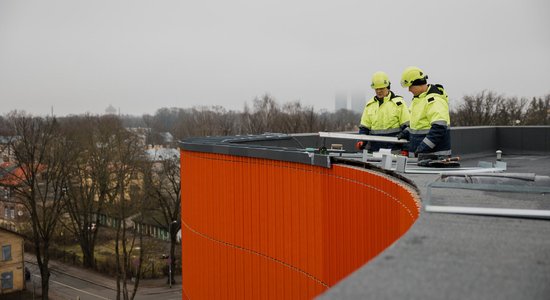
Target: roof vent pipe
[(499, 155)]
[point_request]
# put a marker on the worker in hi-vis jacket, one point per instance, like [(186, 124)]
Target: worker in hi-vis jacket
[(385, 114), (429, 132)]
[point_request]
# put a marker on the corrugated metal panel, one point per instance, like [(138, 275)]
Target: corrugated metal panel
[(262, 229)]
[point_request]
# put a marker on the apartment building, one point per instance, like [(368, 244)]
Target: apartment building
[(11, 262)]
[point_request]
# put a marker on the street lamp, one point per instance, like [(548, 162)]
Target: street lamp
[(135, 260), (170, 258)]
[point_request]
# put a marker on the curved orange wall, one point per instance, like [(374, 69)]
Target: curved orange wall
[(263, 229)]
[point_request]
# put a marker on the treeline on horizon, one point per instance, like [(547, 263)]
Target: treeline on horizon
[(265, 114)]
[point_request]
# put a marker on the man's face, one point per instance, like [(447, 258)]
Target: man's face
[(416, 90), (382, 92)]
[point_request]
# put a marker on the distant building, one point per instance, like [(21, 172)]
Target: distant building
[(340, 101), (167, 138), (159, 153), (6, 148), (141, 133), (151, 224), (110, 110), (12, 274), (358, 102), (12, 210)]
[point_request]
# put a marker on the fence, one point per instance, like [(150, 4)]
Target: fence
[(150, 269)]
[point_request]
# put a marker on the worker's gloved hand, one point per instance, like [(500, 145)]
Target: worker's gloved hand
[(360, 145), (363, 130), (402, 136)]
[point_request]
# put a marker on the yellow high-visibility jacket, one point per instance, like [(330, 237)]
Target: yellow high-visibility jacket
[(385, 116), (430, 122)]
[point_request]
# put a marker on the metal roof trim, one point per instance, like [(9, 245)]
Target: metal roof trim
[(235, 147)]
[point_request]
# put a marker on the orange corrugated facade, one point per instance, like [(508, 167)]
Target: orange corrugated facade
[(264, 229)]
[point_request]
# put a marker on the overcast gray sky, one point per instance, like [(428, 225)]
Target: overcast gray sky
[(81, 56)]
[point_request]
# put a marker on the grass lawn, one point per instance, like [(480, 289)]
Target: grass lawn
[(153, 249)]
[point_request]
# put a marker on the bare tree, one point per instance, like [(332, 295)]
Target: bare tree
[(5, 127), (295, 118), (342, 120), (43, 156), (538, 112), (225, 122), (488, 108), (162, 183), (125, 202), (511, 112), (480, 109), (310, 120), (262, 118), (90, 175)]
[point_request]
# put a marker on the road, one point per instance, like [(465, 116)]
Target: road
[(65, 286)]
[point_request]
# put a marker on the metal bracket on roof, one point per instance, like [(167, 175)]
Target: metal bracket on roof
[(482, 167), (362, 137), (508, 212), (484, 211)]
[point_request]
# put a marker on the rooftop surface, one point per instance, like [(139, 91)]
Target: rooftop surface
[(451, 256)]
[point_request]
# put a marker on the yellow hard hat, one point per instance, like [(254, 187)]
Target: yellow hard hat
[(410, 75), (380, 80)]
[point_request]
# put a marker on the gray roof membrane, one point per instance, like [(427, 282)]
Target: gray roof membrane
[(451, 256)]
